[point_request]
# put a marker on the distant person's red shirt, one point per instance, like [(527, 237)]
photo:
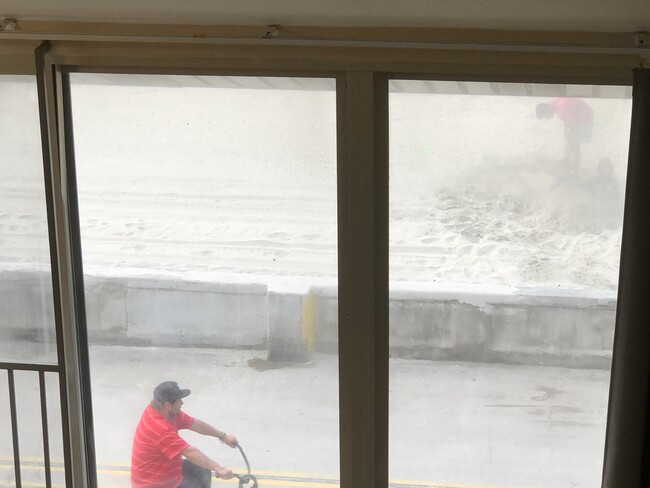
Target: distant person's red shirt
[(156, 457), (573, 111)]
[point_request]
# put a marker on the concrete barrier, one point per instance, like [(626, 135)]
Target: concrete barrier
[(291, 317), (26, 310), (176, 310), (290, 320), (555, 327), (504, 324)]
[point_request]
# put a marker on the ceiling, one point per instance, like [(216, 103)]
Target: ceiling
[(551, 15)]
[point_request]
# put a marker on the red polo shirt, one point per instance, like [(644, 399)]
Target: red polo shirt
[(573, 111), (156, 456)]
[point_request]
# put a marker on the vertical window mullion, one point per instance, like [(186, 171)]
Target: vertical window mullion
[(362, 99), (77, 426), (628, 439), (46, 100), (81, 352)]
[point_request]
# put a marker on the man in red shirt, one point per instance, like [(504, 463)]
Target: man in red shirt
[(578, 118), (156, 459)]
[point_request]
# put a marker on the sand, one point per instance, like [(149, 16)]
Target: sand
[(244, 181)]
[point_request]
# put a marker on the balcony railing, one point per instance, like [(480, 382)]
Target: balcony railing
[(41, 369)]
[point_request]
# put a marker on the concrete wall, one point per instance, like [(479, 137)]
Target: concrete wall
[(26, 305), (291, 317), (166, 312)]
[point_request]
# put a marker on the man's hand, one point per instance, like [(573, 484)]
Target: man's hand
[(224, 473), (230, 440)]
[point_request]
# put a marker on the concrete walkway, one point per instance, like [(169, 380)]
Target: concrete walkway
[(451, 424)]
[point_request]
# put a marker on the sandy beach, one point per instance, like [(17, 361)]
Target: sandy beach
[(244, 181)]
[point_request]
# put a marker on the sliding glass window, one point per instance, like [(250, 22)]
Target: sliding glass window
[(506, 207), (27, 329), (209, 241)]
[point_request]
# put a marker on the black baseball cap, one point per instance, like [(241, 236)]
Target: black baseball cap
[(169, 391)]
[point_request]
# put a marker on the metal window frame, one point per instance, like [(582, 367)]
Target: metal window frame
[(627, 447), (67, 276), (362, 74)]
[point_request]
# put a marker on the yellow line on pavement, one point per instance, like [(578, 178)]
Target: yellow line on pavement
[(281, 478)]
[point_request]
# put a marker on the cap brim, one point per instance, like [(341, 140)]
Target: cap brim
[(185, 392)]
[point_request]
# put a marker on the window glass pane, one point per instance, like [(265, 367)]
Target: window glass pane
[(27, 329), (27, 325), (506, 208), (208, 221)]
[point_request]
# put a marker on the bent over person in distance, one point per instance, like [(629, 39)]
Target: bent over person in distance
[(156, 459), (578, 119)]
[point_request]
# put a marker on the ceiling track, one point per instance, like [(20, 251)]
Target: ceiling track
[(638, 42)]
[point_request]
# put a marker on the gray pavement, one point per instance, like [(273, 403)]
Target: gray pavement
[(461, 425)]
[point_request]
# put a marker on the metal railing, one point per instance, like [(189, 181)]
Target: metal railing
[(41, 369)]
